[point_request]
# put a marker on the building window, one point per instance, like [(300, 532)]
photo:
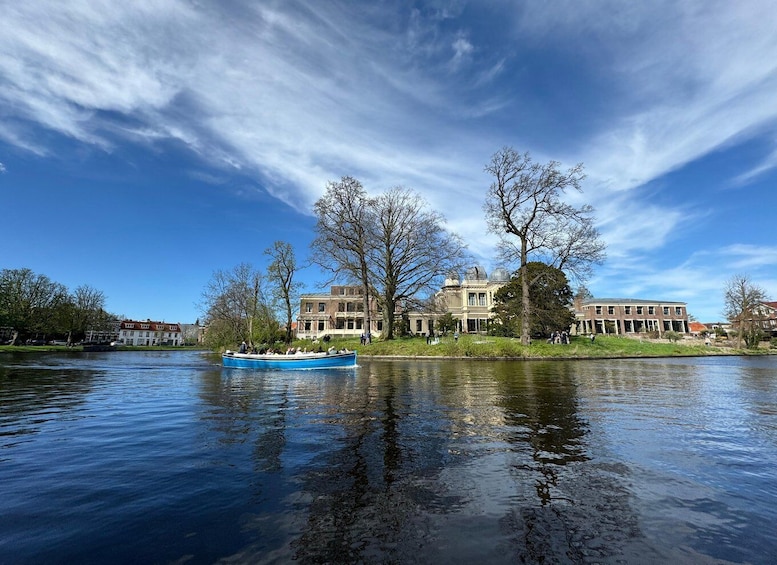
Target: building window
[(639, 310), (611, 310), (380, 325), (321, 325), (482, 298), (322, 306), (666, 310), (599, 310), (678, 311), (341, 306), (307, 325), (350, 307), (308, 307), (651, 310), (628, 309), (350, 324), (472, 299)]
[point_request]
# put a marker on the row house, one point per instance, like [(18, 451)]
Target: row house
[(132, 332), (630, 316), (339, 313)]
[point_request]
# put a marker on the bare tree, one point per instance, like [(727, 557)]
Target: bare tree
[(742, 301), (410, 250), (83, 310), (524, 209), (281, 272), (236, 308), (341, 244)]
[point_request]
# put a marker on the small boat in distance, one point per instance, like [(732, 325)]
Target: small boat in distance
[(294, 361)]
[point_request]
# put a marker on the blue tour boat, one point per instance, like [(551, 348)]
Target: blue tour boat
[(294, 361)]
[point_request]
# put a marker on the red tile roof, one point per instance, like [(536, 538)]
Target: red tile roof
[(149, 325)]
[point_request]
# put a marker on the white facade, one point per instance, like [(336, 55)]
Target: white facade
[(132, 332)]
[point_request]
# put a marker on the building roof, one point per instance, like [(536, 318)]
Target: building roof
[(153, 326), (627, 301)]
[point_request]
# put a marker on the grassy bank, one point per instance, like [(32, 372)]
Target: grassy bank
[(488, 347)]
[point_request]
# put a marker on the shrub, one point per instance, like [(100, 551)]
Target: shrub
[(672, 336)]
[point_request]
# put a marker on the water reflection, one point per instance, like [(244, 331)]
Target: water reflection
[(35, 391), (159, 458)]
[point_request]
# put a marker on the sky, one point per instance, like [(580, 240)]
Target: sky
[(145, 145)]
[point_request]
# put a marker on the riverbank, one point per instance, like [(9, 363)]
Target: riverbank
[(490, 347)]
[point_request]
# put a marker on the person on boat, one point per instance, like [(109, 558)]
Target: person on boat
[(242, 348)]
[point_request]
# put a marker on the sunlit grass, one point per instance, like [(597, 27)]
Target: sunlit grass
[(489, 347)]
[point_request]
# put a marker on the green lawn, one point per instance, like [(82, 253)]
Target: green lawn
[(488, 347)]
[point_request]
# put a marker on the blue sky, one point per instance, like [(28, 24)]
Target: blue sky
[(144, 145)]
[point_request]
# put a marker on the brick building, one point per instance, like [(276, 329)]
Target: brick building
[(631, 316)]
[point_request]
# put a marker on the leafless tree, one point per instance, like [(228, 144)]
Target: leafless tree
[(742, 301), (410, 250), (280, 273), (343, 216), (236, 307), (84, 309), (524, 208)]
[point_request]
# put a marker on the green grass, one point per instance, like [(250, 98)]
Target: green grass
[(488, 347)]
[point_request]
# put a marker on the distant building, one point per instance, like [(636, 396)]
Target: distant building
[(764, 315), (339, 313), (468, 300), (768, 312), (631, 316), (132, 332), (107, 333)]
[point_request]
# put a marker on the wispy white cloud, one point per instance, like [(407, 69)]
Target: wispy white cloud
[(2, 168), (295, 94)]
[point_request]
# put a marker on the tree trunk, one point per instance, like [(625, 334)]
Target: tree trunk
[(388, 317), (525, 301)]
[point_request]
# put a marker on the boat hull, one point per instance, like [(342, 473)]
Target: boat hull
[(289, 362)]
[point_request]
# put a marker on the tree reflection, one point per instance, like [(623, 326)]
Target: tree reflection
[(541, 412)]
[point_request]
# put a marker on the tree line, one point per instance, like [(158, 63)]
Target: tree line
[(35, 307), (396, 248)]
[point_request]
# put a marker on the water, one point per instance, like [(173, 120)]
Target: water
[(168, 458)]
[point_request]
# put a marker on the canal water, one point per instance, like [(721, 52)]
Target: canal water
[(166, 457)]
